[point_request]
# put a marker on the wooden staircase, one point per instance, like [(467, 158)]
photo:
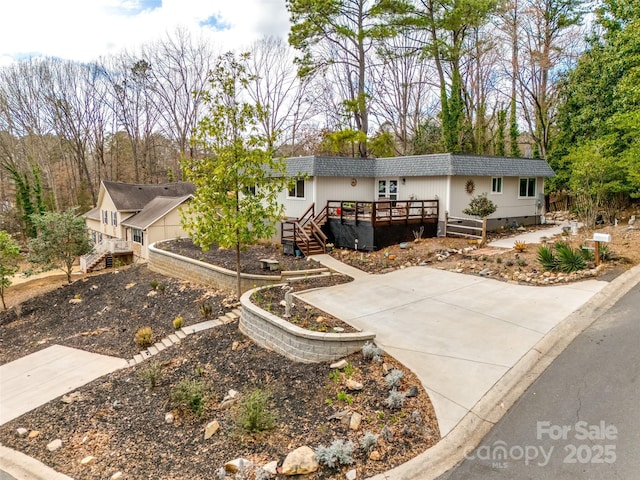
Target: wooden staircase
[(306, 233)]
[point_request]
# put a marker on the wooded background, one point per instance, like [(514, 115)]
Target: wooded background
[(557, 79)]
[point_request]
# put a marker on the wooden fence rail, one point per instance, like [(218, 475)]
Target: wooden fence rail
[(466, 227)]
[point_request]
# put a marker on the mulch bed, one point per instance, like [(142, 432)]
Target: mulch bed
[(120, 419), (272, 299), (249, 258)]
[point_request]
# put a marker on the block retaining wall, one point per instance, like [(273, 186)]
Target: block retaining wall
[(298, 344), (173, 265)]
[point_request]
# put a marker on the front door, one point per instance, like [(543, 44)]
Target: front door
[(388, 189)]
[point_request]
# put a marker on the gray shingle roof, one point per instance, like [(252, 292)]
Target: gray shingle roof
[(133, 197), (419, 166), (153, 211)]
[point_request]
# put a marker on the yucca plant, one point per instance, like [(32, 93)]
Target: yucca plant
[(547, 259), (570, 259)]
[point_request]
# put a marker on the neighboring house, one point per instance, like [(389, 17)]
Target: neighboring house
[(129, 217), (417, 190)]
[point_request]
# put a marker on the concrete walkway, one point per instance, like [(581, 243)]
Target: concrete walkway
[(530, 237), (36, 379)]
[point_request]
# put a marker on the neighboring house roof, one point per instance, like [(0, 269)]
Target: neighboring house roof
[(419, 166), (93, 214), (129, 197), (154, 211)]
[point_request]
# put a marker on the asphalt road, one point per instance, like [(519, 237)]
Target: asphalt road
[(581, 418)]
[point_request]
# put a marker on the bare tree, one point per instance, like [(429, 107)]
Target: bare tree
[(275, 85), (550, 36), (178, 78)]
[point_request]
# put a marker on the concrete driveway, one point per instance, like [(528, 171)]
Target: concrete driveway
[(459, 333)]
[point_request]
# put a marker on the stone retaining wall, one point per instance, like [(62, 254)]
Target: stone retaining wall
[(184, 268), (298, 344)]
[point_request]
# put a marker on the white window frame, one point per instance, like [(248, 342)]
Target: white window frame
[(496, 182), (387, 193), (529, 180), (294, 193)]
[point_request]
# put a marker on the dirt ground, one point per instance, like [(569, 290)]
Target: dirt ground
[(120, 419)]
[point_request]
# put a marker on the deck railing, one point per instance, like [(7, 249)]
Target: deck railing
[(89, 260), (305, 232), (384, 212)]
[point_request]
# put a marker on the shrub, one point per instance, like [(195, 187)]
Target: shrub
[(151, 374), (393, 378), (569, 259), (154, 284), (206, 310), (480, 206), (178, 322), (369, 442), (189, 395), (387, 434), (143, 337), (371, 351), (395, 400), (254, 414), (338, 453), (547, 259), (520, 246)]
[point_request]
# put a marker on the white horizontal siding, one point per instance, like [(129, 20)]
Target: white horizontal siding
[(508, 204)]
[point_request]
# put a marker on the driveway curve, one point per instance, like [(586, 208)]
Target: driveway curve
[(458, 333)]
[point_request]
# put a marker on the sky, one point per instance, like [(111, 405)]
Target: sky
[(85, 30)]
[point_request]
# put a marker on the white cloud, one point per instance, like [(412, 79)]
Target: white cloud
[(87, 29)]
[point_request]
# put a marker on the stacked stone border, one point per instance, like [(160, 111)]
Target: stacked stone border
[(298, 344), (184, 268)]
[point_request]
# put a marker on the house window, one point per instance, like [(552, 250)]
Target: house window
[(527, 187), (114, 219), (105, 217), (298, 189), (496, 185), (250, 191), (138, 236), (388, 189)]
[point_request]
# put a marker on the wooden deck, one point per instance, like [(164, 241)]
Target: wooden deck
[(384, 212)]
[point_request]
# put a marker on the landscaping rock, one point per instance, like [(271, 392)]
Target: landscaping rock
[(341, 415), (235, 346), (237, 464), (211, 429), (34, 434), (413, 392), (339, 364), (21, 431), (72, 397), (54, 445), (356, 421), (88, 460), (353, 385), (300, 462), (75, 301), (352, 474), (168, 417), (375, 456), (116, 476), (271, 468)]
